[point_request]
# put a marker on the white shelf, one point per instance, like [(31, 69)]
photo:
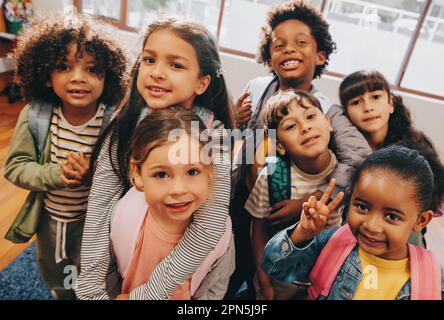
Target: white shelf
[(6, 64), (6, 35)]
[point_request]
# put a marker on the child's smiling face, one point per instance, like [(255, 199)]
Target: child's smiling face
[(169, 71), (383, 212), (294, 54), (76, 81), (371, 111), (174, 188), (304, 133)]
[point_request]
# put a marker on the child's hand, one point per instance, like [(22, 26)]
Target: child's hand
[(286, 212), (243, 109), (266, 289), (315, 214), (76, 171)]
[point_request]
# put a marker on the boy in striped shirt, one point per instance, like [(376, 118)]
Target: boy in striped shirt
[(302, 134), (71, 67)]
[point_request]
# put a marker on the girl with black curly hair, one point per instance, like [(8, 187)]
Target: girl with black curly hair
[(72, 75), (384, 120)]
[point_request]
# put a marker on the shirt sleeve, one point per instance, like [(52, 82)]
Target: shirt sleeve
[(95, 258), (258, 202), (349, 145), (22, 167)]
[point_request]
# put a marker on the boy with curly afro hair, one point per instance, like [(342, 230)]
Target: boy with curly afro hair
[(296, 46), (72, 75)]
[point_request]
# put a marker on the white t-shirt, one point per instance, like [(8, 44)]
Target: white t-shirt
[(302, 184)]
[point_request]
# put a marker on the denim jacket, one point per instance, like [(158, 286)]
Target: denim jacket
[(286, 262)]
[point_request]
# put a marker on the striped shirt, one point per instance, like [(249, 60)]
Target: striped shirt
[(201, 236), (302, 184), (69, 204)]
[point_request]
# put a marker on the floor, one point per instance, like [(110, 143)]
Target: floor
[(11, 197)]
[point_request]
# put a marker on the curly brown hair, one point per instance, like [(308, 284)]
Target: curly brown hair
[(305, 12), (43, 46)]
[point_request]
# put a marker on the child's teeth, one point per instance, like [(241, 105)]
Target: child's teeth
[(291, 63)]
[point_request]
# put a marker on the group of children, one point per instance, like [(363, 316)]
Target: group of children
[(147, 214)]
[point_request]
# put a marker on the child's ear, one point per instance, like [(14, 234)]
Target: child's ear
[(203, 84), (135, 174), (269, 66), (423, 220), (280, 149), (321, 57), (48, 84), (391, 105)]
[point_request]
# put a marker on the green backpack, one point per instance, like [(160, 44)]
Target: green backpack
[(279, 179)]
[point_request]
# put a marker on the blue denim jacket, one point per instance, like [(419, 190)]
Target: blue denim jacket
[(284, 261)]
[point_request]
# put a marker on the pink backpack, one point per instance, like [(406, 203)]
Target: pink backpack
[(424, 267), (126, 221)]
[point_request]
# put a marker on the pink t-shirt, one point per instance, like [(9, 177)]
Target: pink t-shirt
[(153, 244)]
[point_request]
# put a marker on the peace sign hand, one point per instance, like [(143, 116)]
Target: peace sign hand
[(315, 214)]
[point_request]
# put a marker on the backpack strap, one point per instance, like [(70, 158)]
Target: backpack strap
[(205, 115), (127, 216), (39, 120), (258, 89), (425, 274), (109, 110), (279, 179), (330, 261)]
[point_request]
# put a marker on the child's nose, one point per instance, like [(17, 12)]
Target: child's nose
[(157, 72), (305, 128), (368, 106), (78, 75), (372, 224), (289, 48), (179, 186)]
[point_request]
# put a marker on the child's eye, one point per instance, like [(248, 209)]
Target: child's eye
[(92, 69), (177, 66), (311, 116), (377, 96), (193, 172), (62, 67), (301, 42), (354, 102), (391, 217), (148, 60), (279, 45), (290, 126), (361, 208), (161, 175)]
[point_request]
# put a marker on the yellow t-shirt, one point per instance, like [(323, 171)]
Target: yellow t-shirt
[(381, 279)]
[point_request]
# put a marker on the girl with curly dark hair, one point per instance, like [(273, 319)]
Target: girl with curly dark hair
[(72, 75), (384, 120)]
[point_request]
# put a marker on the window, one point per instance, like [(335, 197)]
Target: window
[(425, 69), (104, 8), (141, 12), (404, 39), (241, 24), (387, 30)]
